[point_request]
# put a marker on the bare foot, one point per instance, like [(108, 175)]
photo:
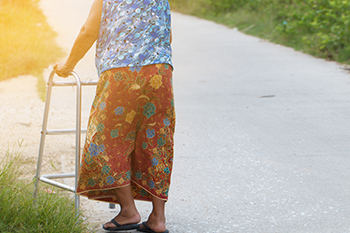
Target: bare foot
[(156, 224)]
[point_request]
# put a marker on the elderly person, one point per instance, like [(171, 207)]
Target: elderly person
[(128, 152)]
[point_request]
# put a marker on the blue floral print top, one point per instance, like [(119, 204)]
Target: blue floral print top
[(133, 33)]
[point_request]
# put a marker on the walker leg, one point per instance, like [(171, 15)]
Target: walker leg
[(77, 140), (43, 136)]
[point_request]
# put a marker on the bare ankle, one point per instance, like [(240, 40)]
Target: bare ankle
[(128, 212), (128, 217), (154, 217)]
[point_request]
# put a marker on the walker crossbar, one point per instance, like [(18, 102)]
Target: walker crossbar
[(48, 178), (72, 83), (62, 131)]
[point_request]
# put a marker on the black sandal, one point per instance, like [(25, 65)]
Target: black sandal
[(121, 227), (146, 228)]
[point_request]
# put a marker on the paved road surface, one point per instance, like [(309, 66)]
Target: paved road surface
[(262, 137)]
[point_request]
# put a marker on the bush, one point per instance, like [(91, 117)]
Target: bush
[(319, 27), (323, 25)]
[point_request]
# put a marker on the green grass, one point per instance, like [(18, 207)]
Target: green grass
[(295, 24), (51, 212), (27, 43)]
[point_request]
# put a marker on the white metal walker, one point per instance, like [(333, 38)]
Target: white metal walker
[(49, 178)]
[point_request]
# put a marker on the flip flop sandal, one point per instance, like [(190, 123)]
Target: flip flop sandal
[(149, 230), (121, 227)]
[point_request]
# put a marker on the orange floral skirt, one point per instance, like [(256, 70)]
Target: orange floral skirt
[(130, 134)]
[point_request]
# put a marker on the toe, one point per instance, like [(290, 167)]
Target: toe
[(108, 225)]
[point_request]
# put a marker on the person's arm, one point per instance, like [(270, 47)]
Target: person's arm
[(86, 38)]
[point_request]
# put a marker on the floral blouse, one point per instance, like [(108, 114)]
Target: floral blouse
[(133, 33)]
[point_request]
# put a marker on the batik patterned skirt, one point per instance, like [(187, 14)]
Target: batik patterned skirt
[(130, 134)]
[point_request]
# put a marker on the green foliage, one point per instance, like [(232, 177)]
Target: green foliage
[(50, 213), (319, 27), (322, 25)]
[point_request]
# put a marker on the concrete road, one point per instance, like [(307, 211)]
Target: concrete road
[(262, 137)]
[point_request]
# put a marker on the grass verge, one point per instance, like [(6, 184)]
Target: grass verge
[(294, 26), (51, 213), (27, 43)]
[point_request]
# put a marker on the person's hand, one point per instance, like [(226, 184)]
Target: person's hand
[(63, 70)]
